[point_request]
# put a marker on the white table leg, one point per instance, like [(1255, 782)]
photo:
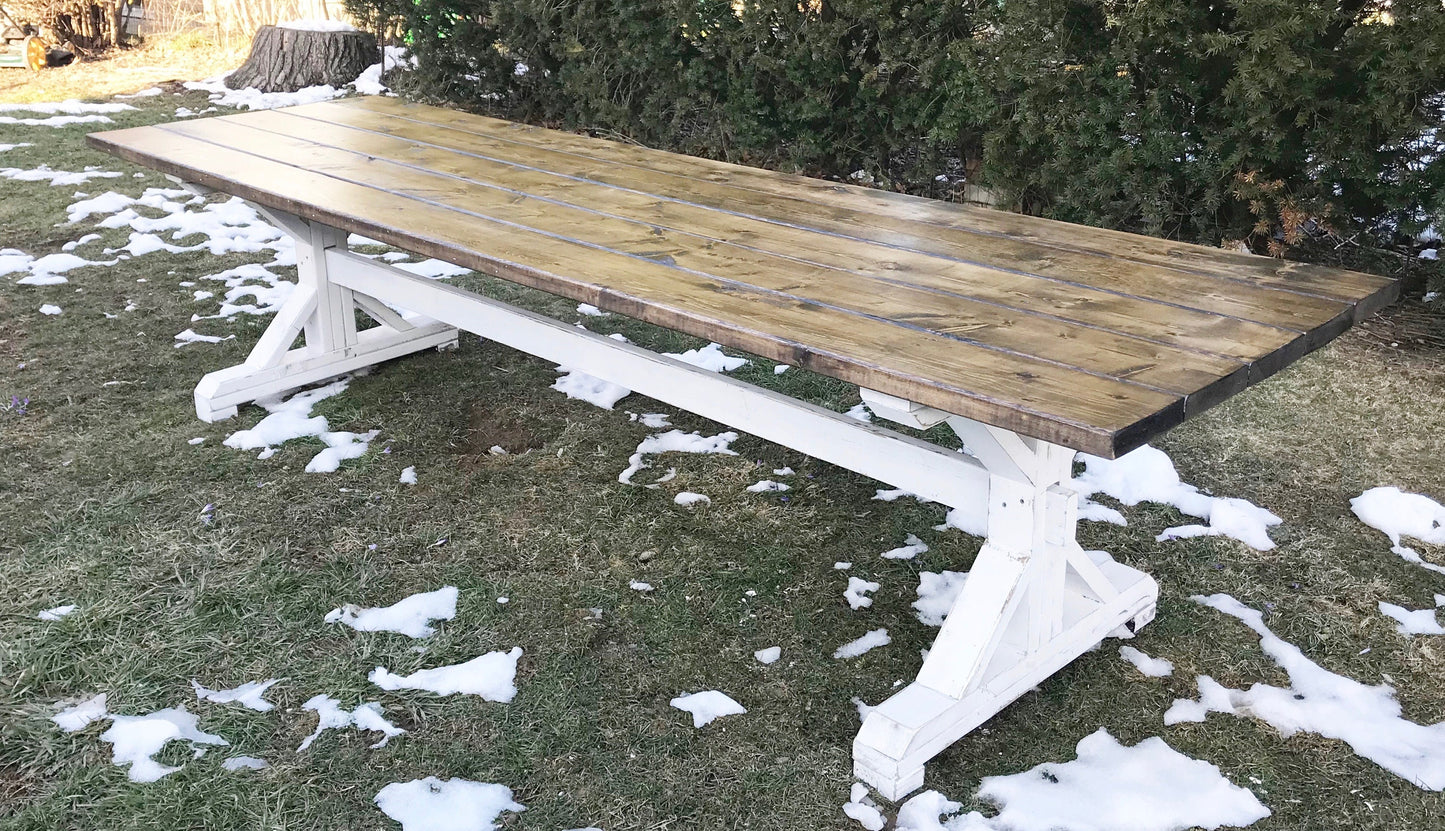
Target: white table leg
[(1032, 603), (323, 312)]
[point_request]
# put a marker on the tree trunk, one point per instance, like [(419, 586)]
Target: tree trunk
[(285, 60)]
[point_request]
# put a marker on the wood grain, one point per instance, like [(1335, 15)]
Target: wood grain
[(1092, 339)]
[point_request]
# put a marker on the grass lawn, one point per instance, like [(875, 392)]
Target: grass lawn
[(102, 500)]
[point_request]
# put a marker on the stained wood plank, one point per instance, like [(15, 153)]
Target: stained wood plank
[(1200, 376), (1020, 293), (1033, 397), (1303, 279)]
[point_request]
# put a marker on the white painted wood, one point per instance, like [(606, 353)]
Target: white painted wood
[(920, 467), (901, 410), (1018, 619)]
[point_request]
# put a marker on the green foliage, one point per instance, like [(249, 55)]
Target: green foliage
[(1205, 120)]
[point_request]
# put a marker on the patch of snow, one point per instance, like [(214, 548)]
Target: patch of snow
[(655, 421), (490, 676), (51, 309), (291, 418), (871, 640), (1152, 667), (1402, 514), (55, 120), (1430, 254), (589, 310), (1367, 718), (892, 494), (859, 412), (57, 613), (408, 475), (77, 716), (912, 547), (686, 498), (862, 809), (1147, 787), (250, 98), (709, 357), (1147, 474), (145, 93), (5, 148), (972, 519), (189, 336), (69, 106), (245, 763), (434, 269), (707, 706), (135, 739), (854, 594), (780, 369), (433, 804), (50, 270), (782, 471), (767, 486), (584, 387), (411, 616), (842, 566), (676, 441), (56, 178), (1413, 622), (369, 81), (769, 655), (331, 716), (639, 586), (247, 695), (937, 592)]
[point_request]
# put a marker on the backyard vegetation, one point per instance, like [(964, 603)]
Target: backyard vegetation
[(193, 560)]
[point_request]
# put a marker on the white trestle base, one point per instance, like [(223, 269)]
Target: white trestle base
[(1033, 601)]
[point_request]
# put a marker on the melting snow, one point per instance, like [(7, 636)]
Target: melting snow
[(709, 357), (411, 616), (291, 418), (247, 695), (638, 585), (1402, 514), (1413, 622), (8, 147), (55, 120), (408, 475), (58, 612), (769, 655), (872, 640), (245, 763), (135, 739), (707, 705), (1147, 474), (676, 441), (190, 336), (1152, 667), (584, 387), (1319, 701), (767, 486), (861, 808), (686, 498), (56, 178), (1147, 787), (490, 676), (854, 594), (937, 592), (331, 716), (433, 804), (70, 106), (912, 547), (51, 309), (859, 412), (589, 310), (434, 269), (77, 716)]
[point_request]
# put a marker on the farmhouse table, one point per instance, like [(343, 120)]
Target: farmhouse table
[(1031, 339)]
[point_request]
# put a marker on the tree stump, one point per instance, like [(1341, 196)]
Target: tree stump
[(286, 59)]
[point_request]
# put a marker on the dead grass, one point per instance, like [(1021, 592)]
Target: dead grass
[(172, 58)]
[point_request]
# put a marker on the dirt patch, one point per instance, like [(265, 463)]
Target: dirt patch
[(489, 426), (1408, 326)]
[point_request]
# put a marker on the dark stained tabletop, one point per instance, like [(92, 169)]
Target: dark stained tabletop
[(1088, 338)]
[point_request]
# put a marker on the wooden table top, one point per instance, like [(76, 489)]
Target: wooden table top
[(1093, 339)]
